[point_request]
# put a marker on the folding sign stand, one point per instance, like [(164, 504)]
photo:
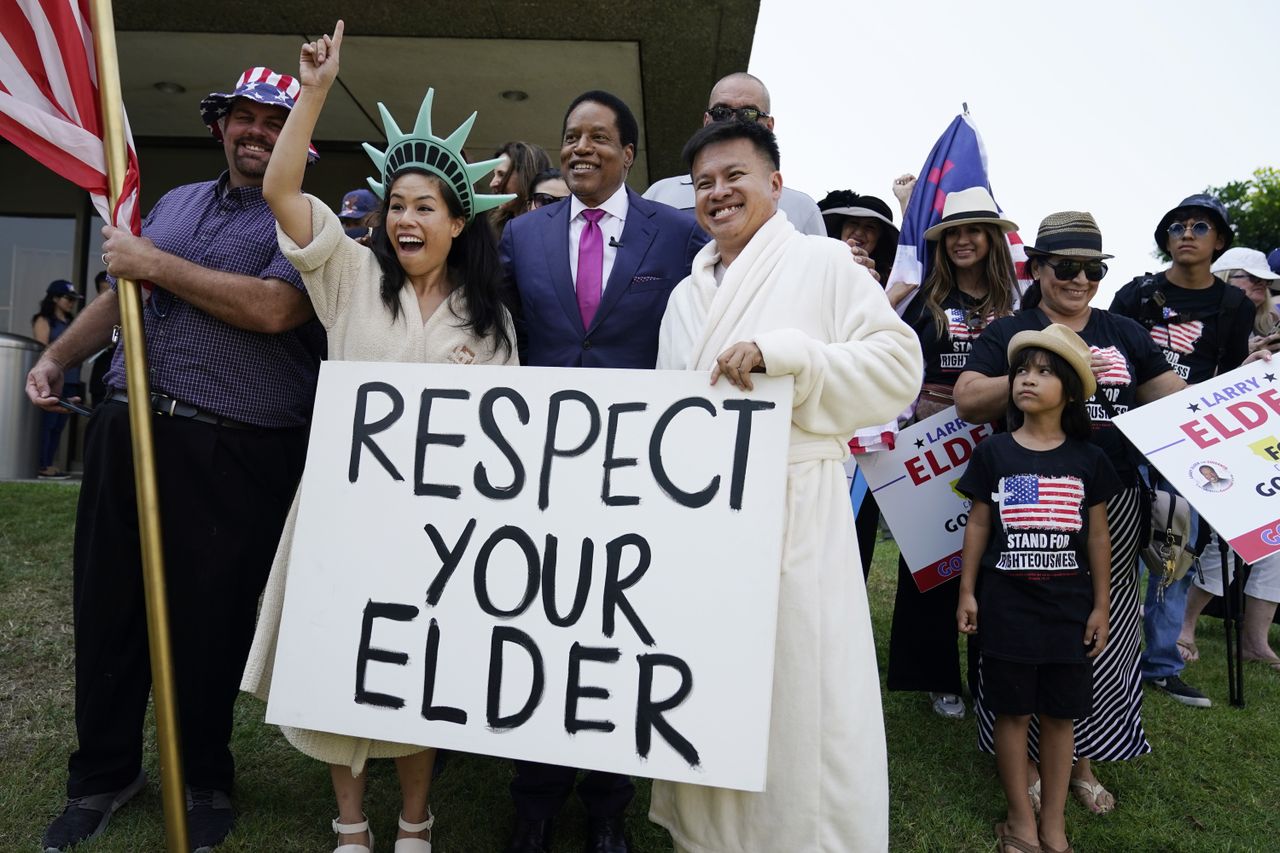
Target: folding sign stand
[(1232, 617)]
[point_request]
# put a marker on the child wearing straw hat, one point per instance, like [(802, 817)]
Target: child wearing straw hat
[(1037, 539)]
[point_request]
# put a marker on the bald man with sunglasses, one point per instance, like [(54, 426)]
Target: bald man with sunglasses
[(741, 97)]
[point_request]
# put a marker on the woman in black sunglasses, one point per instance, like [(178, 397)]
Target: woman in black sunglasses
[(1067, 263)]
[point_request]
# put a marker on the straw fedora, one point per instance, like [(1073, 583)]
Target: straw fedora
[(969, 207), (1071, 234), (1057, 338)]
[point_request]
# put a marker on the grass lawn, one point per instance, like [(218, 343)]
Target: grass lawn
[(1212, 784)]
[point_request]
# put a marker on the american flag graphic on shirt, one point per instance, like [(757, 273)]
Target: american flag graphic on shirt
[(1179, 337), (1029, 501), (959, 328), (1117, 372)]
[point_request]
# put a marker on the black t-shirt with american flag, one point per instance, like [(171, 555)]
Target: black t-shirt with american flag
[(945, 356), (1133, 357), (1036, 593), (1189, 335)]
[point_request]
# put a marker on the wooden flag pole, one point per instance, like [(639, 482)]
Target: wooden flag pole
[(173, 795)]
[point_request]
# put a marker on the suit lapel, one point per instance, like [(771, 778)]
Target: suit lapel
[(555, 245), (637, 235)]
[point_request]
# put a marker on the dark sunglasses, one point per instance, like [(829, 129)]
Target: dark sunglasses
[(743, 114), (1198, 229), (544, 199), (1068, 270)]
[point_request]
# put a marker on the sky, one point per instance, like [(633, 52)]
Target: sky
[(1120, 108)]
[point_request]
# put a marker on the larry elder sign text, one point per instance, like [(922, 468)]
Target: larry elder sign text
[(577, 567)]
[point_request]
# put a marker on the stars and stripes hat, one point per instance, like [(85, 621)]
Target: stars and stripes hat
[(1070, 234), (259, 84), (1059, 339)]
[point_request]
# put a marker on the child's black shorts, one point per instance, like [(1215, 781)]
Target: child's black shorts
[(1062, 690)]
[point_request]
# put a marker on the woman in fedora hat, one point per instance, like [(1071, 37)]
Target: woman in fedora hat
[(970, 283), (1067, 263)]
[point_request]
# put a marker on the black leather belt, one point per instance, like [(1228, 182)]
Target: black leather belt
[(163, 404)]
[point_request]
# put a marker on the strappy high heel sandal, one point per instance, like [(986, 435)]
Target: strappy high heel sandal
[(415, 845), (351, 829)]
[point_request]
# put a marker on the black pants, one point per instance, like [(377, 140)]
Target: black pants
[(923, 638), (224, 495), (867, 526), (540, 790)]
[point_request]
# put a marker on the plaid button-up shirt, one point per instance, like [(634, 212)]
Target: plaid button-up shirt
[(262, 379)]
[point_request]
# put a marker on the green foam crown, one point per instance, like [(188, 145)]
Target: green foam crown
[(441, 157)]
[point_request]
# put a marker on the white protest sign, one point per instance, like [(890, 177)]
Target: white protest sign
[(914, 485), (575, 567), (1218, 444)]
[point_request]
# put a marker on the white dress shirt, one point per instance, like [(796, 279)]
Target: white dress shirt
[(615, 216)]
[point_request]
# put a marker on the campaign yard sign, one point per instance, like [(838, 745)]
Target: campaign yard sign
[(576, 567), (915, 487), (1218, 444)]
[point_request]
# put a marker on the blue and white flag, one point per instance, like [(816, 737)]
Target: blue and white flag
[(958, 161)]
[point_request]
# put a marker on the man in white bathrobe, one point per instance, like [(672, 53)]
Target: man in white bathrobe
[(763, 298)]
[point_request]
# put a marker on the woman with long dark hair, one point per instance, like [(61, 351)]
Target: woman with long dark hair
[(57, 310), (426, 289), (970, 282), (519, 166)]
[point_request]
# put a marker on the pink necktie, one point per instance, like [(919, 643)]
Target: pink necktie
[(590, 266)]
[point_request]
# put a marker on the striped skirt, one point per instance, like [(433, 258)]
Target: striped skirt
[(1113, 732)]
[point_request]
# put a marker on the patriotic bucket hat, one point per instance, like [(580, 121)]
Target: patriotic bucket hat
[(1060, 339), (258, 84)]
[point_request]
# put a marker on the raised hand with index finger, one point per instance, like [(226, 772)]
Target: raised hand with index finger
[(318, 64)]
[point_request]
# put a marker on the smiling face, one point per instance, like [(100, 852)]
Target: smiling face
[(1063, 298), (966, 245), (249, 134), (1254, 288), (863, 230), (419, 224), (593, 159), (736, 191)]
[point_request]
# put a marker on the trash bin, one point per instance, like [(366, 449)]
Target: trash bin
[(19, 420)]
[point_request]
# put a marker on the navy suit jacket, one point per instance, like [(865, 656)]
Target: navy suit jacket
[(654, 253)]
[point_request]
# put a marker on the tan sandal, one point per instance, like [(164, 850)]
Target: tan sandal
[(1045, 848), (1088, 795), (1005, 841), (1189, 651)]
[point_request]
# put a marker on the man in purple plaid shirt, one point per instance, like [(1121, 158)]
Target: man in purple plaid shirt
[(233, 352)]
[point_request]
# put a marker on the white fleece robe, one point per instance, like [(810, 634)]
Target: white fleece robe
[(343, 281), (821, 318)]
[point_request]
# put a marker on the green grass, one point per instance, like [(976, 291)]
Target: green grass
[(1210, 785)]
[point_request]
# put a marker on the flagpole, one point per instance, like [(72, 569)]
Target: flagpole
[(172, 793)]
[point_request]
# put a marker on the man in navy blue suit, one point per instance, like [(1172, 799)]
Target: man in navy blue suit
[(593, 273)]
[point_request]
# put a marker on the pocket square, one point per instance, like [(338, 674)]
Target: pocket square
[(642, 279)]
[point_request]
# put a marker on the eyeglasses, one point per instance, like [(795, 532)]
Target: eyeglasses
[(747, 115), (1068, 270), (1253, 279), (1198, 229), (544, 199)]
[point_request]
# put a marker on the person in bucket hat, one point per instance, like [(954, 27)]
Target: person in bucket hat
[(1247, 269), (1068, 262), (232, 364), (1202, 324)]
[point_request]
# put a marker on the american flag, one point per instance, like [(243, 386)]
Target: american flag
[(958, 161), (1179, 337), (1117, 372), (1042, 503), (49, 104)]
